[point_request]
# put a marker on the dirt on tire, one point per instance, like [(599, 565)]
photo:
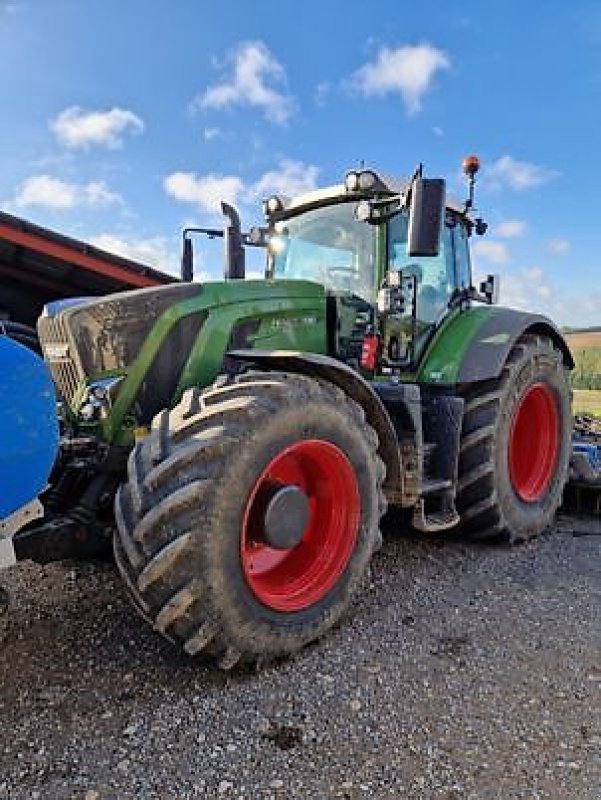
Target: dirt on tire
[(180, 514), (487, 502)]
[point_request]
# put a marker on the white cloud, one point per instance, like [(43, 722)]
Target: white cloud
[(437, 131), (510, 229), (212, 133), (519, 175), (488, 249), (292, 178), (531, 289), (408, 71), (255, 72), (154, 252), (53, 193), (558, 247), (77, 128), (205, 191), (322, 92)]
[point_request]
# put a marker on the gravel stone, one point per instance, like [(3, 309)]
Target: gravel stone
[(462, 673)]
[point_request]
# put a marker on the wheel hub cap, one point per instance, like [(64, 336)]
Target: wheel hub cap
[(286, 518)]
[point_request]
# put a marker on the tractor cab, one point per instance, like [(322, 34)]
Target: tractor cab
[(383, 286)]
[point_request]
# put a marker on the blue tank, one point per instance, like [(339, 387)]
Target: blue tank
[(28, 426)]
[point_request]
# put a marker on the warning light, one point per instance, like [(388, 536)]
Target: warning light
[(471, 165)]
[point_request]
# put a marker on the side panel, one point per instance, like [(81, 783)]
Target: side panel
[(287, 315), (473, 345)]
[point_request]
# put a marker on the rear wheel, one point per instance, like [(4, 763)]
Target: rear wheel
[(515, 445), (250, 516)]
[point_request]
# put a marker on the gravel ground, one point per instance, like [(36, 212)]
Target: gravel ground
[(462, 672)]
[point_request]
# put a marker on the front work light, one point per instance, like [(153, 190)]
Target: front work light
[(367, 179), (272, 205), (351, 182)]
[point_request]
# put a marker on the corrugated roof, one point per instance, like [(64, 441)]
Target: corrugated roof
[(31, 251)]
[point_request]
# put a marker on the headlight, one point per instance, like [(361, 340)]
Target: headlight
[(99, 398), (351, 182), (367, 179), (272, 205), (276, 245), (363, 211)]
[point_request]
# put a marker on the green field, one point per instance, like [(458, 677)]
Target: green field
[(586, 377), (587, 401), (586, 348)]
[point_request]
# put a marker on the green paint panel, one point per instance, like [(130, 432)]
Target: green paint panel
[(289, 315), (445, 355)]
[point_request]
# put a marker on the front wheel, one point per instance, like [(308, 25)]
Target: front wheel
[(250, 515), (515, 445)]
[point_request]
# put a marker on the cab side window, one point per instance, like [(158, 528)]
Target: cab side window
[(435, 275), (462, 257)]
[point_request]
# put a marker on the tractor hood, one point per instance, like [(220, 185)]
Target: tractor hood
[(163, 340), (103, 335)]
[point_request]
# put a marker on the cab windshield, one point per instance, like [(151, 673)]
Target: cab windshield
[(327, 245)]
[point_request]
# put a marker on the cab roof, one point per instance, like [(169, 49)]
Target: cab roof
[(337, 192)]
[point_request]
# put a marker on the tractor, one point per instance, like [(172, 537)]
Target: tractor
[(247, 436)]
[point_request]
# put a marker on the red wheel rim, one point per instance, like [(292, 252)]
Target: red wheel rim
[(294, 579), (534, 443)]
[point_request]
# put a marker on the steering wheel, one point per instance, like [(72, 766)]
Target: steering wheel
[(345, 270)]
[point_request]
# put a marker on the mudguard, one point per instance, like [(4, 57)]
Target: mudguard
[(473, 344), (326, 368), (28, 426)]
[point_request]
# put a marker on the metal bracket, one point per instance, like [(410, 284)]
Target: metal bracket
[(21, 517), (11, 524)]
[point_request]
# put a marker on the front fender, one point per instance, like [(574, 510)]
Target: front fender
[(354, 385)]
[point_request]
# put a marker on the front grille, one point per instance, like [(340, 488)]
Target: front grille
[(57, 352)]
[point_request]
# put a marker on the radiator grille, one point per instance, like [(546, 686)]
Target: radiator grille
[(57, 352)]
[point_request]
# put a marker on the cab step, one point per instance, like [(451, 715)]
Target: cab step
[(434, 521), (434, 486)]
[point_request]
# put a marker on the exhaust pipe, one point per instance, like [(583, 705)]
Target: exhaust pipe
[(235, 257)]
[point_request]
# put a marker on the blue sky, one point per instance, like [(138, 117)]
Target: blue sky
[(123, 121)]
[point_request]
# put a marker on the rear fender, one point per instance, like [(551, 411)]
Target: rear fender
[(482, 362), (356, 387), (474, 344)]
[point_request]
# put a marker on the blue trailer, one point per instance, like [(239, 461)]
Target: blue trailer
[(29, 436)]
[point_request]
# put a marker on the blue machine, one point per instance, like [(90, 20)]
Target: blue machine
[(586, 462), (29, 432)]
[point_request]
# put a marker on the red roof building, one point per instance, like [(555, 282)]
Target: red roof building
[(38, 265)]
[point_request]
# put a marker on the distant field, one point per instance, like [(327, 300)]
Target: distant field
[(586, 339), (587, 401), (586, 347)]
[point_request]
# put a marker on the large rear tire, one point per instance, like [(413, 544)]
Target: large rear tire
[(250, 515), (515, 445)]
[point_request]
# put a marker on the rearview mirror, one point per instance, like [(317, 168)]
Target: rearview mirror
[(425, 216), (490, 288)]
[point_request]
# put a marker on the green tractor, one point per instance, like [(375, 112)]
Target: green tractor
[(250, 435)]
